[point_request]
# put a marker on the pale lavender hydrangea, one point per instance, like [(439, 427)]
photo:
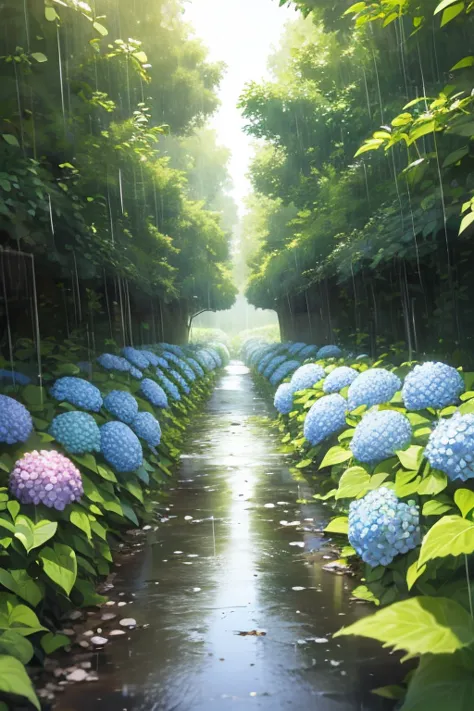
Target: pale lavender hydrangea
[(46, 477)]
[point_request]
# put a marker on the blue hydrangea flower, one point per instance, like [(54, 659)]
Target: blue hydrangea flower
[(215, 357), (78, 392), (450, 447), (188, 372), (379, 435), (135, 357), (283, 370), (283, 400), (16, 424), (308, 351), (205, 359), (196, 367), (121, 405), (326, 417), (14, 377), (181, 381), (306, 376), (172, 348), (171, 357), (264, 361), (381, 527), (135, 373), (329, 352), (432, 385), (373, 387), (121, 447), (273, 365), (295, 348), (162, 363), (154, 393), (148, 428), (255, 355), (113, 362), (169, 387), (152, 359), (339, 378), (77, 431)]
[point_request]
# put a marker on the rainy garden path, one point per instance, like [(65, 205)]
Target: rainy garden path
[(194, 592)]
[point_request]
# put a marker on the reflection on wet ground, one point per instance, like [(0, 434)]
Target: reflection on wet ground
[(223, 564)]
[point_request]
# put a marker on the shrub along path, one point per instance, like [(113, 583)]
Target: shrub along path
[(232, 605)]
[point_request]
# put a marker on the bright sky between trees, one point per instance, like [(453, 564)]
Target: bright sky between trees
[(240, 33)]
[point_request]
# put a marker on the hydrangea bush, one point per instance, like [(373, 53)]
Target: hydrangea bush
[(339, 378), (329, 352), (381, 527), (434, 385), (16, 424), (380, 434), (135, 357), (197, 368), (78, 392), (78, 432), (326, 417), (148, 428), (273, 365), (168, 386), (283, 400), (121, 405), (306, 376), (154, 393), (47, 478), (113, 362), (373, 387), (180, 380), (283, 370), (121, 447), (450, 447)]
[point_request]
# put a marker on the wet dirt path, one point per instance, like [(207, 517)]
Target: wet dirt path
[(223, 563)]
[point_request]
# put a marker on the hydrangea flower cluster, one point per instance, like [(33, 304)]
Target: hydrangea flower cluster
[(196, 367), (135, 373), (170, 388), (205, 359), (283, 370), (326, 417), (171, 358), (113, 362), (273, 365), (283, 400), (162, 363), (306, 376), (381, 527), (264, 361), (295, 348), (373, 387), (121, 405), (329, 352), (152, 359), (148, 428), (46, 477), (451, 447), (379, 435), (181, 381), (154, 393), (135, 357), (308, 351), (121, 447), (172, 348), (78, 392), (78, 432), (432, 385), (16, 424), (188, 372), (339, 378), (215, 357), (15, 377)]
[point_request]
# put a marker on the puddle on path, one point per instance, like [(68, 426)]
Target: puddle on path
[(232, 568)]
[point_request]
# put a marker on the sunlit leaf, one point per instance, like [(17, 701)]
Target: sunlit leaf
[(14, 680)]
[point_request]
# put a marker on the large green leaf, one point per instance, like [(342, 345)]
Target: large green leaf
[(412, 457), (81, 520), (451, 535), (20, 583), (440, 684), (19, 647), (60, 565), (338, 525), (43, 531), (15, 680), (335, 455), (51, 642), (420, 625), (14, 615), (464, 500), (354, 482)]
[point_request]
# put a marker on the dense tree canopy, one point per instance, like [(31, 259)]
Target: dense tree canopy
[(89, 93), (365, 127)]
